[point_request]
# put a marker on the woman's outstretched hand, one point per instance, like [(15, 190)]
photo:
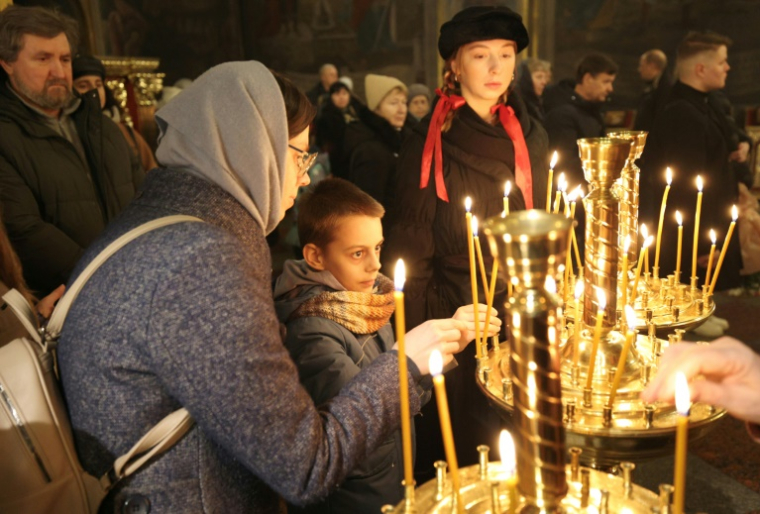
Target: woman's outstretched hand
[(467, 315)]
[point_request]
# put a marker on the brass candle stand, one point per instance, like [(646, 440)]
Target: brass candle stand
[(532, 245), (627, 429)]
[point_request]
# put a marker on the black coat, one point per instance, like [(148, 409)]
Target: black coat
[(431, 236), (693, 137), (330, 134), (653, 102), (372, 146), (53, 206), (533, 103)]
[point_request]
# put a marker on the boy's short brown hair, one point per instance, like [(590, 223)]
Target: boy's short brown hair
[(322, 207), (696, 43)]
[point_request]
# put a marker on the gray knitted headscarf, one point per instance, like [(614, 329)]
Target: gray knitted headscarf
[(230, 127)]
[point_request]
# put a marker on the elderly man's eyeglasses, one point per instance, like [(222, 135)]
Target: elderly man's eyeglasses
[(305, 161)]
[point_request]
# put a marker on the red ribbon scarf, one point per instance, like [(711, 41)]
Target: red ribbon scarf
[(433, 142), (523, 176)]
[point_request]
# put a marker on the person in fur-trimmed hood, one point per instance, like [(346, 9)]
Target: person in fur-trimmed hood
[(372, 144), (478, 137), (337, 309)]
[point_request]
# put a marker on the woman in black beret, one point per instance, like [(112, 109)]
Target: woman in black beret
[(477, 138)]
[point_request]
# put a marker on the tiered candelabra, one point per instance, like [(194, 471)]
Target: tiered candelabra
[(602, 410)]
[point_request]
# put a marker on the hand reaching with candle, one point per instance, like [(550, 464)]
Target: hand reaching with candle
[(467, 315), (435, 334), (725, 373)]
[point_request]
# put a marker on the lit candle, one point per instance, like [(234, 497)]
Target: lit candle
[(484, 278), (679, 220), (507, 190), (578, 322), (436, 367), (713, 238), (473, 276), (550, 184), (630, 318), (635, 290), (509, 465), (601, 300), (561, 184), (683, 406), (696, 229), (644, 236), (669, 179), (734, 216), (406, 432), (624, 278)]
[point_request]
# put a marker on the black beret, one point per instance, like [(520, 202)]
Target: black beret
[(481, 24), (337, 86), (87, 65)]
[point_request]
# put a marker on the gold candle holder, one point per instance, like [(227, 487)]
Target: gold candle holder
[(628, 190), (532, 245)]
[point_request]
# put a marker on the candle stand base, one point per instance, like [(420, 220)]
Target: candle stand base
[(479, 495)]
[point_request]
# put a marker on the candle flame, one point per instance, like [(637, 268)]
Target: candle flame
[(648, 241), (627, 243), (507, 188), (507, 452), (699, 183), (683, 395), (644, 231), (435, 364), (734, 213), (562, 183), (578, 191), (679, 218), (578, 289), (630, 318), (601, 299), (550, 285), (474, 225), (467, 204), (399, 275), (713, 238), (669, 175), (555, 157)]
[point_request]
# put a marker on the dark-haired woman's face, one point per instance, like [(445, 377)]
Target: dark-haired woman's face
[(340, 98), (485, 69)]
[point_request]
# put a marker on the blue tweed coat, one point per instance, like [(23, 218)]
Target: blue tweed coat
[(184, 317)]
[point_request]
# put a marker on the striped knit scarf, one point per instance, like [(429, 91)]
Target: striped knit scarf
[(360, 313)]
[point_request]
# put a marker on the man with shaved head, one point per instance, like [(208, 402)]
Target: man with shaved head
[(654, 72), (694, 137)]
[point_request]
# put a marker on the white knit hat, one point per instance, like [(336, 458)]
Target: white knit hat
[(377, 86)]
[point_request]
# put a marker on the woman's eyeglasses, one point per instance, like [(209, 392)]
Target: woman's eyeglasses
[(305, 161)]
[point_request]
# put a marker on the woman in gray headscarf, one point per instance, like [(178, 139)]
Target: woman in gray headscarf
[(183, 316)]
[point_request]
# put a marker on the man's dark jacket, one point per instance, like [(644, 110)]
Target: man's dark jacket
[(693, 137), (653, 101), (53, 208)]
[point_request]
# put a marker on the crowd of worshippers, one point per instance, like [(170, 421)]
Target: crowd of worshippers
[(294, 387)]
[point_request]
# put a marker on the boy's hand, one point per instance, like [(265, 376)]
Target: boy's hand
[(467, 315), (435, 334)]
